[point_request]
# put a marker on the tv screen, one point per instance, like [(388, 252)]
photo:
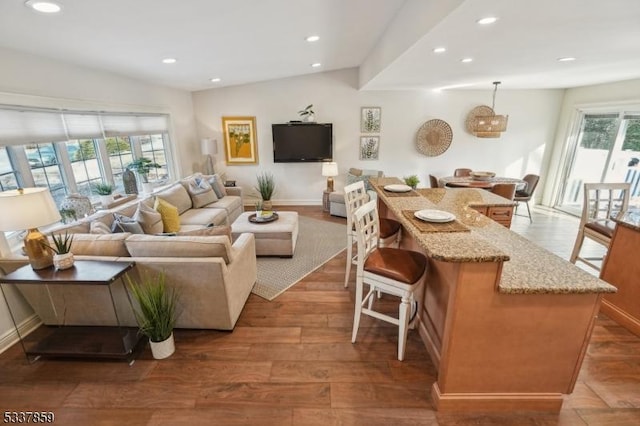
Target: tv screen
[(297, 142)]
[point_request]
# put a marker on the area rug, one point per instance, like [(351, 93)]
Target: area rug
[(318, 241)]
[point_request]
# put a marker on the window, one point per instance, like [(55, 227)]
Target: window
[(70, 151), (607, 149), (8, 178)]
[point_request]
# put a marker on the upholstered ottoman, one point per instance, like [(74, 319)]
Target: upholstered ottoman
[(277, 238)]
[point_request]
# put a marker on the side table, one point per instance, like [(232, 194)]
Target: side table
[(116, 342), (325, 200)]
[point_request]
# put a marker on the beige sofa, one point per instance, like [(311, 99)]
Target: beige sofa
[(213, 276)]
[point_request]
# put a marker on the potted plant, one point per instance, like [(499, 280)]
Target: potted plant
[(62, 256), (412, 181), (307, 114), (142, 166), (156, 312), (266, 187), (105, 191)]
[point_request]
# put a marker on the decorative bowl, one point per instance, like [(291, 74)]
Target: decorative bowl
[(482, 175)]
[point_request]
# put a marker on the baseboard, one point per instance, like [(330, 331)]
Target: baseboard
[(11, 337)]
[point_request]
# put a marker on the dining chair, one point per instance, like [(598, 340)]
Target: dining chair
[(525, 194), (602, 202), (462, 172), (433, 181), (387, 270), (355, 195), (505, 190)]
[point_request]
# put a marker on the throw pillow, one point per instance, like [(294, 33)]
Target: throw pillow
[(99, 228), (149, 219), (200, 191), (125, 224), (169, 214), (218, 186), (212, 230)]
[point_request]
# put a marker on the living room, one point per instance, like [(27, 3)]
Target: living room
[(540, 119)]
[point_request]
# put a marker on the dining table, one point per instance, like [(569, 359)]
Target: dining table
[(471, 182)]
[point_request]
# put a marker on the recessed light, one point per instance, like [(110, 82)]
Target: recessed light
[(439, 50), (567, 59), (466, 60), (215, 80), (44, 6), (316, 65), (312, 38), (169, 60), (488, 20)]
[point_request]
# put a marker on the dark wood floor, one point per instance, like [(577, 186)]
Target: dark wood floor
[(291, 362)]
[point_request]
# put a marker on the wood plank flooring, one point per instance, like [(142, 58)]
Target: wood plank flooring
[(291, 362)]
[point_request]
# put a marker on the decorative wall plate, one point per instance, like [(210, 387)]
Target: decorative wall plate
[(434, 137), (479, 111)]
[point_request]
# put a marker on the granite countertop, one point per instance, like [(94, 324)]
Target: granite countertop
[(527, 268), (630, 219)]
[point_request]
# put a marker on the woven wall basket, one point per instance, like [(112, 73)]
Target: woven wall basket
[(434, 138)]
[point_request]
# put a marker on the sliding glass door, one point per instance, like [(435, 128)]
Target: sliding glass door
[(607, 149)]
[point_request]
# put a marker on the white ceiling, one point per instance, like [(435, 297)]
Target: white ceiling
[(245, 41)]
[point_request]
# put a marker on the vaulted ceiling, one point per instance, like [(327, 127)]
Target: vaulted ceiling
[(392, 41)]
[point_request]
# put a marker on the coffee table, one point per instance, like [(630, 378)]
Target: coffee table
[(276, 238)]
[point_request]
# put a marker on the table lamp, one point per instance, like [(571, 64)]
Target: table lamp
[(28, 208), (330, 170), (209, 148)]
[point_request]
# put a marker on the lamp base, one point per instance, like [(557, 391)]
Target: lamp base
[(35, 246), (330, 184)]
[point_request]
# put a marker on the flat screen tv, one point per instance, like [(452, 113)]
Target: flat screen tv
[(300, 142)]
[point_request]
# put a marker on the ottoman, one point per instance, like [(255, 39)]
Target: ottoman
[(277, 238)]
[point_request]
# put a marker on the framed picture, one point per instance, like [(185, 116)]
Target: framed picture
[(370, 119), (369, 146), (240, 142)]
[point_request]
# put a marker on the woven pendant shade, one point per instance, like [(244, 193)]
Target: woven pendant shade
[(483, 122)]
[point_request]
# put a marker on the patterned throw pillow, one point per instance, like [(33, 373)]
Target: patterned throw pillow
[(148, 218), (125, 224), (200, 191), (99, 228), (169, 214)]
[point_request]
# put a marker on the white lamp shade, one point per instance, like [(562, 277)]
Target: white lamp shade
[(209, 146), (330, 169), (27, 208)]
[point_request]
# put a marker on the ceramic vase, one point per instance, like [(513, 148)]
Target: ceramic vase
[(164, 349), (63, 261), (105, 200)]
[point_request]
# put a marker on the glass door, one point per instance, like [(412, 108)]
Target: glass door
[(607, 149)]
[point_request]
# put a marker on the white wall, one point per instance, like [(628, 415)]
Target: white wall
[(336, 99), (36, 81), (601, 96)]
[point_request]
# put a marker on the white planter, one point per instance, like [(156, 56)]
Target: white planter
[(63, 261), (105, 200), (147, 187), (164, 349)]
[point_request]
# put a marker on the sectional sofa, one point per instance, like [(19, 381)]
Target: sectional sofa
[(212, 274)]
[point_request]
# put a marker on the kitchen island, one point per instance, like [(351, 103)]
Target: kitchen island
[(505, 322)]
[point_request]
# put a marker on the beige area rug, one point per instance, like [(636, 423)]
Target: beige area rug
[(318, 241)]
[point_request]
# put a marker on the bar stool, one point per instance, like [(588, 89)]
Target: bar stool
[(386, 270), (355, 195)]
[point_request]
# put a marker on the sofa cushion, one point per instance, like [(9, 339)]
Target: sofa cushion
[(228, 203), (203, 217), (149, 219), (125, 224), (81, 227), (99, 228), (180, 246), (169, 214), (209, 231), (176, 195), (111, 245), (199, 190)]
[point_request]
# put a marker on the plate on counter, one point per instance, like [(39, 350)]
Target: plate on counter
[(397, 188), (439, 216)]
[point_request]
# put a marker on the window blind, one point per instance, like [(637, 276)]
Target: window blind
[(20, 127), (122, 125), (82, 126)]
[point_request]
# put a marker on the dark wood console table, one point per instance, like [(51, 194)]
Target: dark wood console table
[(77, 341)]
